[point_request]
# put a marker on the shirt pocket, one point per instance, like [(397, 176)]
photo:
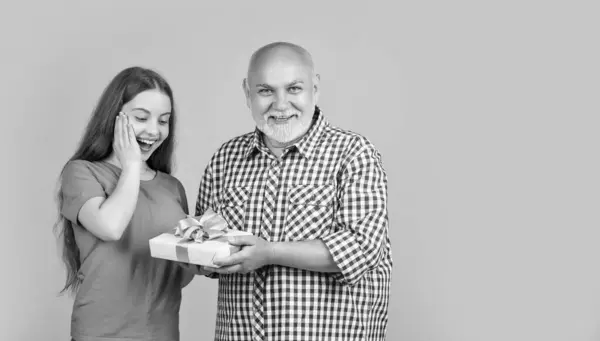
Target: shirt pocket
[(232, 207), (310, 211)]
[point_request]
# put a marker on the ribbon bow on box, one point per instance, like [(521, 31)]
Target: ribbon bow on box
[(199, 229), (196, 240)]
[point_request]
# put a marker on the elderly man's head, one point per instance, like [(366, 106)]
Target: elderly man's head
[(282, 91)]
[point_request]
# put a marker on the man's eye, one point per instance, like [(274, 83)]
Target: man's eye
[(295, 89), (265, 91)]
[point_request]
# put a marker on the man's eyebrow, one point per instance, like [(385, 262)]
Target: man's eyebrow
[(294, 82)]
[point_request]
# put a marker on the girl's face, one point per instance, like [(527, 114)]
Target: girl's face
[(149, 114)]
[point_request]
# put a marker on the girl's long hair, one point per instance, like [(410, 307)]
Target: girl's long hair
[(96, 144)]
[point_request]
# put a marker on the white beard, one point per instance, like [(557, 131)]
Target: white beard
[(283, 133)]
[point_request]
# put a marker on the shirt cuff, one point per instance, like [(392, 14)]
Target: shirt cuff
[(347, 255)]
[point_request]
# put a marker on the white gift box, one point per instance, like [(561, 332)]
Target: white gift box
[(168, 246), (196, 240)]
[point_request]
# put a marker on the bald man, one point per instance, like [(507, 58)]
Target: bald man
[(318, 264)]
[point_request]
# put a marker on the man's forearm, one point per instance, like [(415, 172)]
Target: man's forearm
[(310, 255)]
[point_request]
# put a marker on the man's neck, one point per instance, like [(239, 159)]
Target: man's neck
[(276, 147)]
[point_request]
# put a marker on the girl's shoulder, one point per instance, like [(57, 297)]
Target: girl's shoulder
[(100, 171), (79, 164)]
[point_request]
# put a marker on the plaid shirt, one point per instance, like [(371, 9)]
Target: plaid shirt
[(330, 186)]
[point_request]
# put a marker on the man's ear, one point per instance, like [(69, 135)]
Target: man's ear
[(246, 89), (316, 87)]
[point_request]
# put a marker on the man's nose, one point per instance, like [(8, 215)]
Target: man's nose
[(281, 102)]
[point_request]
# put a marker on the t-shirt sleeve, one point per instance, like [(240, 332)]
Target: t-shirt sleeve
[(78, 186)]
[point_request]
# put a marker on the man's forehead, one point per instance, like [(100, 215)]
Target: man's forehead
[(280, 71)]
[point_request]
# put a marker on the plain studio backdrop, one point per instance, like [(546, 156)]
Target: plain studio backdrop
[(486, 116)]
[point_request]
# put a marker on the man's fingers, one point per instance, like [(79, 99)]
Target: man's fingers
[(235, 258), (228, 269), (241, 240)]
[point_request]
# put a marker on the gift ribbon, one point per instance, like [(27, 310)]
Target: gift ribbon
[(198, 230)]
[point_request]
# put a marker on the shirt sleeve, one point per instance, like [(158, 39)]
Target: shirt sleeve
[(204, 192), (204, 199), (78, 185), (362, 215)]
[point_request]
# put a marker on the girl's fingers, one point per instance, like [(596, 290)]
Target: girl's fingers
[(125, 130), (118, 129), (124, 133), (132, 138)]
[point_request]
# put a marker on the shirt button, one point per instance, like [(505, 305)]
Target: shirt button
[(275, 163)]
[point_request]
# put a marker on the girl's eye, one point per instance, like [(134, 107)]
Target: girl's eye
[(163, 122), (141, 119)]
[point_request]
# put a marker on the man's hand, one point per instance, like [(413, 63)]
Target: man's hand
[(255, 253)]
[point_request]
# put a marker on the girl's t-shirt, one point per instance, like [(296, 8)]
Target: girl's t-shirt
[(125, 294)]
